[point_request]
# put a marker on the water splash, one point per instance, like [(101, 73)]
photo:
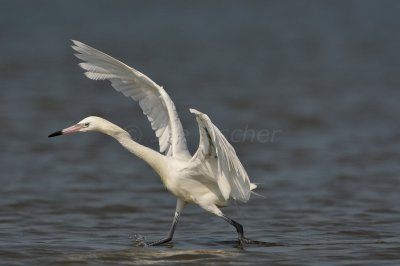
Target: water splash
[(138, 240)]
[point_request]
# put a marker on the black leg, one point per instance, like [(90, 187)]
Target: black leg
[(179, 207), (239, 229)]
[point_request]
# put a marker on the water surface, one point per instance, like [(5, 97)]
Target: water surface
[(322, 75)]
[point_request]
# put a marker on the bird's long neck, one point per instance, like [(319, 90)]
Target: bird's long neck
[(152, 157)]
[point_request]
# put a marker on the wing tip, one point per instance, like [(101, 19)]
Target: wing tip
[(194, 111), (82, 48), (198, 113), (76, 44)]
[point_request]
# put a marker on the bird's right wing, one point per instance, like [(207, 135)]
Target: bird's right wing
[(220, 161), (152, 98)]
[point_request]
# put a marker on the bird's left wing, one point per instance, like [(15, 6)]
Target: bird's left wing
[(152, 98), (219, 157)]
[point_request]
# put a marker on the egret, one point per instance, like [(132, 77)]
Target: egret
[(212, 178)]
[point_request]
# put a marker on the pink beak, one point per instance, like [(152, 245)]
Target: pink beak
[(68, 130)]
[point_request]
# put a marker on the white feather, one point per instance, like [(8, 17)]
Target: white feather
[(232, 178), (210, 179), (132, 83)]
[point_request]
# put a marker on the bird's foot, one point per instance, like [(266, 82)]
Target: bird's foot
[(246, 241), (140, 241), (153, 243), (159, 242)]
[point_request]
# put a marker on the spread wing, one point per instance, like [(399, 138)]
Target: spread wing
[(219, 159), (152, 98)]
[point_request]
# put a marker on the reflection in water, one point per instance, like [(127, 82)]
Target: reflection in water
[(150, 256)]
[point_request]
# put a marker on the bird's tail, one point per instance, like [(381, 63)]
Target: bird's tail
[(252, 187)]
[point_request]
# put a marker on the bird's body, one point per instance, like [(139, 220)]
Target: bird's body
[(184, 178), (211, 178)]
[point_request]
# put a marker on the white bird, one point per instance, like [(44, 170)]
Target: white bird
[(211, 178)]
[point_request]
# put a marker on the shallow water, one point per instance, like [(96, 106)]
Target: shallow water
[(307, 92)]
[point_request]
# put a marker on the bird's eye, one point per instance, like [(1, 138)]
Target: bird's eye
[(87, 124)]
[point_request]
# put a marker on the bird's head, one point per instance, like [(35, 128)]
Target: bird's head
[(91, 123)]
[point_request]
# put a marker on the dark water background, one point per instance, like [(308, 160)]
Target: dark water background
[(323, 75)]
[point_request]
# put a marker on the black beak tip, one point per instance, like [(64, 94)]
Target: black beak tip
[(57, 133)]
